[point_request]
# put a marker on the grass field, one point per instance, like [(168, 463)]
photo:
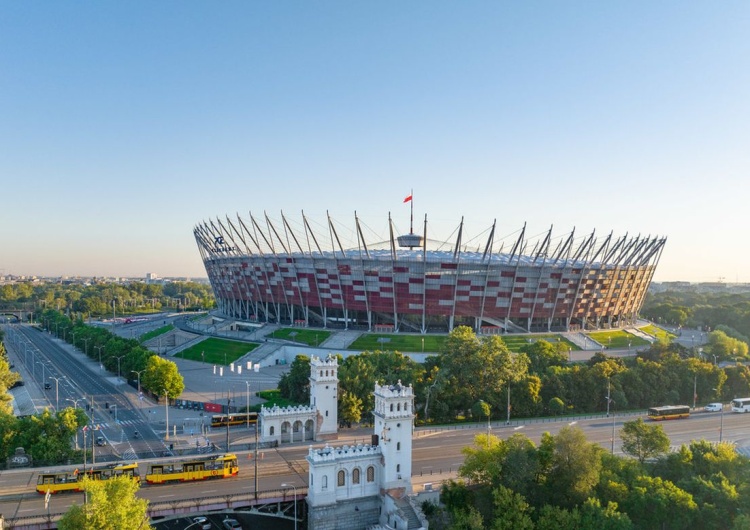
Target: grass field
[(398, 342), (515, 342), (658, 332), (218, 351), (434, 343), (311, 337), (156, 332), (617, 339)]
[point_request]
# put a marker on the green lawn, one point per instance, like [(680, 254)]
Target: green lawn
[(434, 343), (311, 337), (156, 332), (218, 351), (617, 339), (659, 333), (515, 342), (398, 342)]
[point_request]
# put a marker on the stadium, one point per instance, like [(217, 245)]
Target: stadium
[(298, 273)]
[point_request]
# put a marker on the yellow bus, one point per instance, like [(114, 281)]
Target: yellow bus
[(669, 412)]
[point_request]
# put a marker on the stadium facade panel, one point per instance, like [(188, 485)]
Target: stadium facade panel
[(264, 274)]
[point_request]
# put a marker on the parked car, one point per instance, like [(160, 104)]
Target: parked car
[(713, 407), (202, 523), (48, 386), (100, 441), (231, 524)]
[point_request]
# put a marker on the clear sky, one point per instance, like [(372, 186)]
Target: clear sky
[(123, 125)]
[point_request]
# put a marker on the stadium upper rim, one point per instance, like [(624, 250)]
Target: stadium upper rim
[(304, 238)]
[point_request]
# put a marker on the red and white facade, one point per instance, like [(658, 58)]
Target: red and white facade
[(269, 273)]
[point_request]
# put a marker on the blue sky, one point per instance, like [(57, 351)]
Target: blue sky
[(123, 125)]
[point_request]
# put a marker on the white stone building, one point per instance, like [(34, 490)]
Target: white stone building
[(319, 420), (368, 486)]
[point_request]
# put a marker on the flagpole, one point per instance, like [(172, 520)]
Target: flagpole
[(411, 223)]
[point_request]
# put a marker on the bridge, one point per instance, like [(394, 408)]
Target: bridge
[(272, 503)]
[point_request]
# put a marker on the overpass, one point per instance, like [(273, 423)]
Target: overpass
[(272, 503)]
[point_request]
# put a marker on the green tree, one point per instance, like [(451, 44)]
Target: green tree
[(112, 505), (575, 467), (511, 511), (162, 376), (556, 406), (643, 441), (350, 408), (656, 504), (294, 385)]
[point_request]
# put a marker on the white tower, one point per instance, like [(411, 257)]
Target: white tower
[(394, 423), (324, 382)]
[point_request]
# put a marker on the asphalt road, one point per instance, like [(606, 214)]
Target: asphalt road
[(436, 457)]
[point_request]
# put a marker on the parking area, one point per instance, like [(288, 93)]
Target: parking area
[(247, 521)]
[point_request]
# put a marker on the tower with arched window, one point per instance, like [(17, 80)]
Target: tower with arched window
[(324, 382), (361, 486), (394, 423)]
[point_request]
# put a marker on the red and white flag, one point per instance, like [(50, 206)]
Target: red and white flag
[(408, 198)]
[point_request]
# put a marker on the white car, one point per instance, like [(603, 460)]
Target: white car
[(231, 524), (713, 407), (202, 523)]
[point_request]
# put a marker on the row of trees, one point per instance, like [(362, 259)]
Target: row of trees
[(101, 299), (541, 381), (46, 437), (569, 483), (727, 312), (127, 357)]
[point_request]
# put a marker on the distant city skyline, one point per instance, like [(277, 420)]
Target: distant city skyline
[(125, 125)]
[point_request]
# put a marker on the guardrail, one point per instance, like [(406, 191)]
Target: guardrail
[(230, 501)]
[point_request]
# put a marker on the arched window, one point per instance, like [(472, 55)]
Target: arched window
[(325, 481), (391, 407), (355, 476), (398, 407), (272, 428), (321, 373), (406, 406), (342, 478), (398, 446), (398, 468), (371, 474)]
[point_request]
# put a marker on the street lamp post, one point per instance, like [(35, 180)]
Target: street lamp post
[(86, 345), (507, 418), (285, 485), (118, 365), (609, 400), (695, 389), (44, 371), (721, 418), (139, 372), (166, 412), (57, 393), (609, 388), (99, 349), (75, 406), (247, 411)]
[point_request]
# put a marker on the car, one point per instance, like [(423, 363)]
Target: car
[(202, 523), (231, 524), (100, 441), (714, 407), (48, 386)]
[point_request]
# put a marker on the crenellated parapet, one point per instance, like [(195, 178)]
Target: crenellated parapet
[(292, 410), (337, 454)]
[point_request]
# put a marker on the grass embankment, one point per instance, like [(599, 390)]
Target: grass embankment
[(218, 351), (311, 337)]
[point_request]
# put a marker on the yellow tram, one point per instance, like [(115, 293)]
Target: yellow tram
[(223, 466), (72, 480)]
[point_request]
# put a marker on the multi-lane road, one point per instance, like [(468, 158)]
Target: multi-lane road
[(437, 453), (436, 456)]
